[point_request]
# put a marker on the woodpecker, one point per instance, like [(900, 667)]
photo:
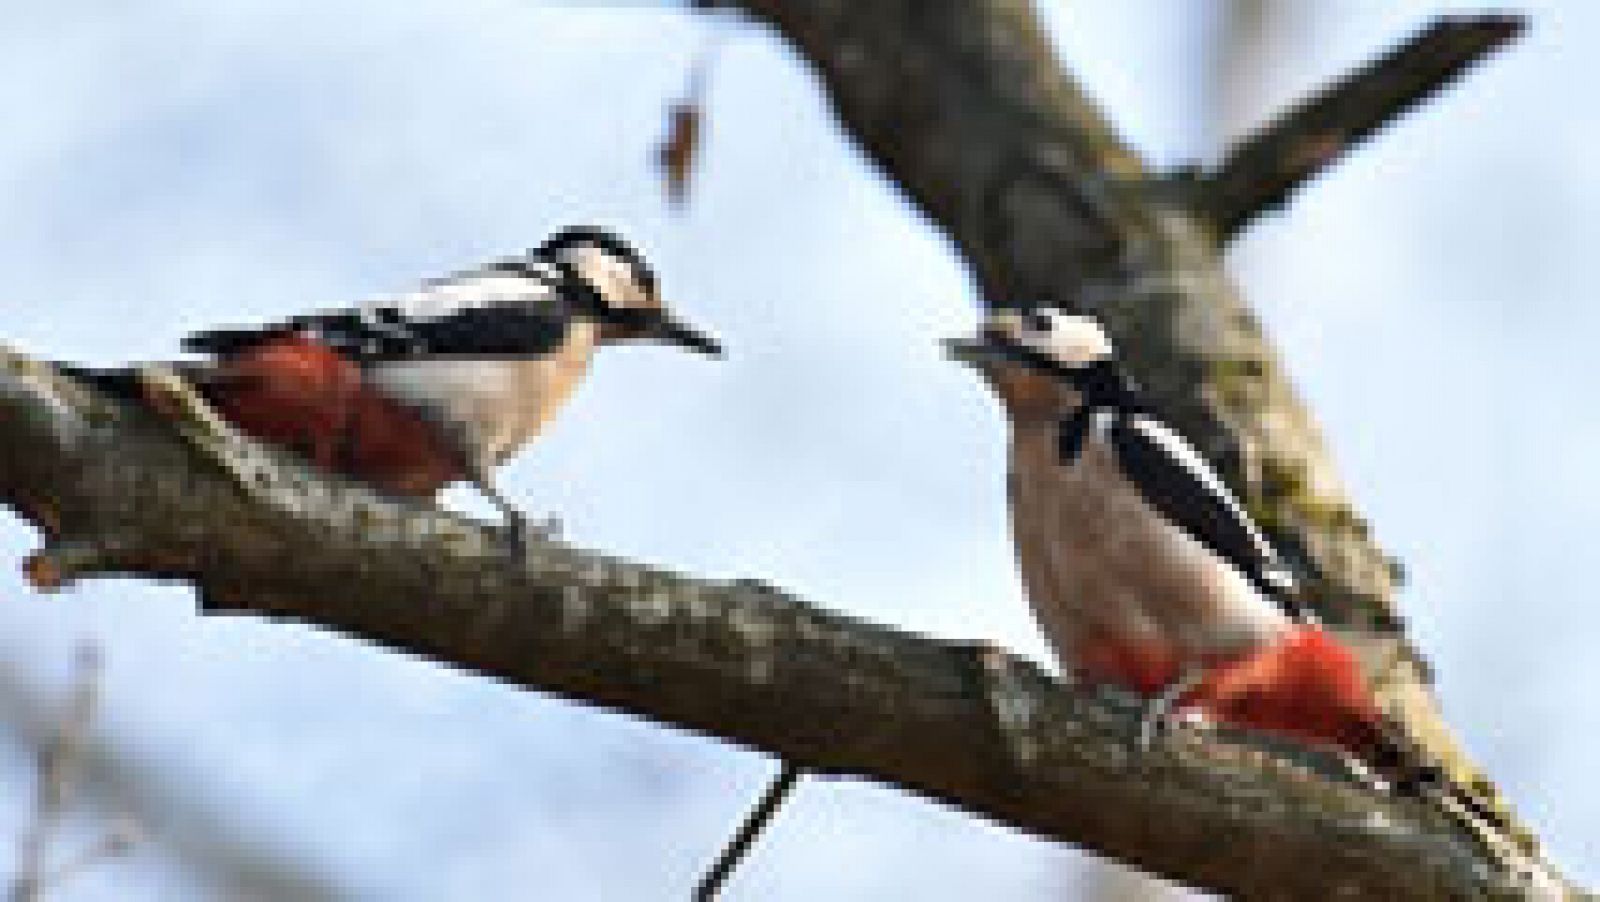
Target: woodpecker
[(1143, 568), (1145, 571), (443, 383)]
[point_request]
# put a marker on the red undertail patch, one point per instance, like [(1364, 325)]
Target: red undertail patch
[(1308, 686)]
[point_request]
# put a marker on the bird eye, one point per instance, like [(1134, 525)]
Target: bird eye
[(1037, 321)]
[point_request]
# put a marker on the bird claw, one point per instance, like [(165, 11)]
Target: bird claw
[(515, 531), (519, 529), (1156, 719), (1161, 713)]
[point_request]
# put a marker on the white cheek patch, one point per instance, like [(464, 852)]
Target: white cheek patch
[(613, 278), (1063, 337), (1077, 340)]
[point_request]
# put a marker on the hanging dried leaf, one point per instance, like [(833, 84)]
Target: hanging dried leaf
[(676, 155), (680, 150)]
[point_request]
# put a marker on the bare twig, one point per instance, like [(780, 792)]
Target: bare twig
[(57, 777), (118, 841), (204, 835), (754, 823)]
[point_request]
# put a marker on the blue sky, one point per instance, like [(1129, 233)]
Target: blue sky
[(180, 163)]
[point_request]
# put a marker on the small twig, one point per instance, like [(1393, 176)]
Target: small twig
[(754, 823), (1262, 171), (119, 841), (57, 769)]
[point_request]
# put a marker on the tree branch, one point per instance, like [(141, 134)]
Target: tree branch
[(1264, 170), (969, 725)]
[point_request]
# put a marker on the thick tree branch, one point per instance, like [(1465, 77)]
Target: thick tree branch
[(1265, 169), (970, 725)]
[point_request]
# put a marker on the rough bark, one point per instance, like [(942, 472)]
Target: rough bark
[(964, 105)]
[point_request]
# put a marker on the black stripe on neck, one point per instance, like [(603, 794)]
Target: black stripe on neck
[(1104, 385)]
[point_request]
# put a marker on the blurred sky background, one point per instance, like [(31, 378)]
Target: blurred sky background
[(175, 163)]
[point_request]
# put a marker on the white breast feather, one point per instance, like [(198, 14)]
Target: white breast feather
[(493, 407), (1101, 564)]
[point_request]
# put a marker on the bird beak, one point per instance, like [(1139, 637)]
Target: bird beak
[(979, 352), (987, 350), (674, 332)]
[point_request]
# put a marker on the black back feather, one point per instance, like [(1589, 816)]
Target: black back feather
[(528, 326), (1179, 484)]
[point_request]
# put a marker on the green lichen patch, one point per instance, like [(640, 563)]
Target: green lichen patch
[(1239, 382), (1287, 499)]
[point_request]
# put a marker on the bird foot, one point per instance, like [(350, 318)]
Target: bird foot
[(1155, 720), (1360, 773), (520, 529), (1161, 713)]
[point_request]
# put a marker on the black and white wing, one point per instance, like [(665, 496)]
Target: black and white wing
[(1182, 486), (506, 309)]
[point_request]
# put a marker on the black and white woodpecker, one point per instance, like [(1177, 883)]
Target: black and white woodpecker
[(1145, 571), (1140, 564), (445, 382), (1143, 568)]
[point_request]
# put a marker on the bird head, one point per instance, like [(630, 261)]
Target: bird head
[(612, 284), (1030, 356)]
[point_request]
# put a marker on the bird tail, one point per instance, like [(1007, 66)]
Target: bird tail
[(1312, 687), (225, 342), (1468, 800), (124, 383), (118, 382)]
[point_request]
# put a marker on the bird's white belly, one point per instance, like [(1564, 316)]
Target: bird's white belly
[(492, 407), (1103, 569)]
